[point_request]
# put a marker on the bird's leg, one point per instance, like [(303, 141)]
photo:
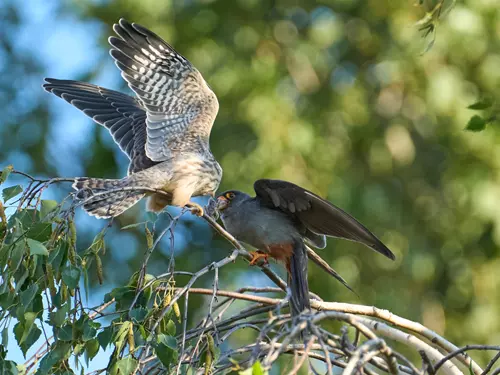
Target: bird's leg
[(256, 255), (181, 196), (196, 209)]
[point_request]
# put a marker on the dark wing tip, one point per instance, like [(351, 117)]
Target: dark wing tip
[(48, 82), (384, 250)]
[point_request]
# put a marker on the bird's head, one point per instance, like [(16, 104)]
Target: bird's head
[(230, 198)]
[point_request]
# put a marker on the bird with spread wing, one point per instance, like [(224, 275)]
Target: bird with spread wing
[(281, 220), (164, 130)]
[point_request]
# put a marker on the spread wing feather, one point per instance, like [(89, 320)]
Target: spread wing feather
[(121, 114), (316, 214), (180, 106)]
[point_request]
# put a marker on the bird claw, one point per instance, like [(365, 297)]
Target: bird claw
[(196, 209), (256, 255)]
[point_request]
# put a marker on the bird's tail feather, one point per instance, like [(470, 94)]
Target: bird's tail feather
[(105, 198), (297, 279)]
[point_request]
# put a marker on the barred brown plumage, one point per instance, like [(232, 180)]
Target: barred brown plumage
[(164, 131)]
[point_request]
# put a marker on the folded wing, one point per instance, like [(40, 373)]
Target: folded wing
[(317, 214)]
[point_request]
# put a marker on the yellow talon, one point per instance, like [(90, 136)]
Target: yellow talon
[(196, 209), (256, 255)]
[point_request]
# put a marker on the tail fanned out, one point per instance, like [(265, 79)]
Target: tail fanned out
[(102, 198), (297, 279)]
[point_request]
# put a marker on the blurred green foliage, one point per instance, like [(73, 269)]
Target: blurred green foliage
[(335, 96)]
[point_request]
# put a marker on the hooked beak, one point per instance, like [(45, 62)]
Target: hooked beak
[(222, 203)]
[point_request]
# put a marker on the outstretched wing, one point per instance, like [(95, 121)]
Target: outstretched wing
[(121, 114), (180, 106), (316, 214)]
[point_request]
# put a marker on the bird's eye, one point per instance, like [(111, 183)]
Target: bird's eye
[(230, 195)]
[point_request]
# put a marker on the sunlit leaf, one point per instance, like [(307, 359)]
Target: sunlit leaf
[(26, 332), (5, 173), (91, 349), (37, 248), (11, 192), (256, 369), (120, 335), (171, 328), (124, 366), (46, 207), (134, 225)]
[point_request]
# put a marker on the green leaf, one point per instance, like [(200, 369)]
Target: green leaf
[(40, 231), (104, 337), (476, 124), (130, 226), (11, 192), (59, 351), (26, 333), (58, 256), (139, 314), (86, 285), (8, 367), (37, 248), (89, 329), (165, 354), (121, 334), (5, 173), (20, 281), (5, 337), (124, 366), (28, 295), (143, 333), (122, 295), (482, 104), (58, 317), (78, 348), (65, 333), (91, 349), (169, 341), (46, 207), (171, 328), (7, 300), (26, 218), (71, 276), (5, 252), (17, 255), (256, 369)]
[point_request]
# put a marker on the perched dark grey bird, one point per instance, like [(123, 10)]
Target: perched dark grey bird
[(281, 219), (164, 130)]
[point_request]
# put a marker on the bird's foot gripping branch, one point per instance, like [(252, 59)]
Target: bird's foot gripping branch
[(154, 323)]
